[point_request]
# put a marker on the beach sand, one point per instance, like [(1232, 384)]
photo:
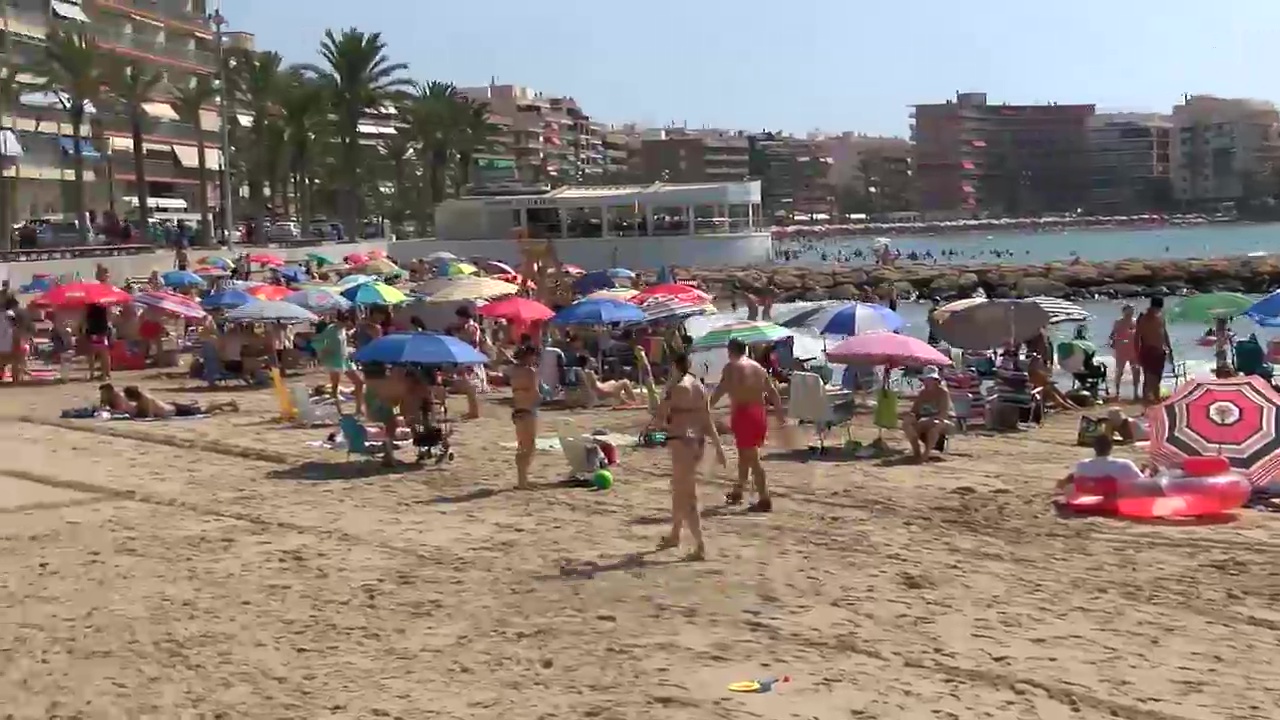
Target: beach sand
[(222, 568)]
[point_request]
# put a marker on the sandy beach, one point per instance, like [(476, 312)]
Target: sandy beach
[(222, 568)]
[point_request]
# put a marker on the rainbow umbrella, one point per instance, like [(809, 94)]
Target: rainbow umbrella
[(375, 293), (217, 262), (748, 331), (455, 269)]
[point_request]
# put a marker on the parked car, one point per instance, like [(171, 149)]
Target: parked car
[(284, 231), (327, 230)]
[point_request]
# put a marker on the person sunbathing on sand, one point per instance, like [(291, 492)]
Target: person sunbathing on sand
[(686, 413), (620, 390), (146, 405), (109, 398)]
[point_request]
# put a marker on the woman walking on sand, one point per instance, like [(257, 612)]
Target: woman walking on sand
[(1126, 352), (686, 412)]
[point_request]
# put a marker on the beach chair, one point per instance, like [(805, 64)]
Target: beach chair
[(356, 436), (309, 414), (810, 403), (583, 454), (212, 370), (1251, 358)]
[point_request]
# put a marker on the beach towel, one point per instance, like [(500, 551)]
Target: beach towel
[(552, 444)]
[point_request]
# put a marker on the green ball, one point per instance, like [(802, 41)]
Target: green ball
[(603, 479)]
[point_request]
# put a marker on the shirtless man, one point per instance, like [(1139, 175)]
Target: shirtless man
[(1153, 349), (686, 413), (146, 405), (525, 397), (749, 389)]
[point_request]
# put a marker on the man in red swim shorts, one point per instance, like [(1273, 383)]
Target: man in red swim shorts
[(1153, 349), (750, 390)]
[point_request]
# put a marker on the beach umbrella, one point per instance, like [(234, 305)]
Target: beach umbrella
[(750, 332), (352, 280), (676, 290), (181, 279), (171, 303), (1237, 418), (517, 310), (419, 349), (376, 253), (355, 259), (1206, 308), (598, 312), (271, 311), (381, 266), (493, 267), (318, 300), (1061, 311), (613, 294), (513, 278), (593, 281), (464, 288), (80, 294), (456, 268), (885, 348), (227, 299), (241, 284), (375, 293), (570, 269), (320, 260), (620, 274), (669, 308), (1266, 312), (945, 311), (268, 292), (1072, 354), (210, 271), (440, 256), (294, 274), (39, 284), (215, 262), (992, 324), (266, 260), (847, 318)]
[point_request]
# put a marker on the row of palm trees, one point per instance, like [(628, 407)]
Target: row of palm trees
[(302, 152)]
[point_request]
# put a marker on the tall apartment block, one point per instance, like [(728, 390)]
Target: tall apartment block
[(1225, 149), (684, 155), (1130, 160), (795, 176), (876, 167), (973, 157), (172, 36)]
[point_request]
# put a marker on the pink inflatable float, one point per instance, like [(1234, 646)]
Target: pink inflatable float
[(1206, 486)]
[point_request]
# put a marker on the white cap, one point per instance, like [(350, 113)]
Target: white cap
[(930, 372)]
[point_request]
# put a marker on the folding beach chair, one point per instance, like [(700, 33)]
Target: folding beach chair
[(307, 413), (584, 456)]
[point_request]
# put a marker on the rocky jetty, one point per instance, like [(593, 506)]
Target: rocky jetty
[(1113, 279)]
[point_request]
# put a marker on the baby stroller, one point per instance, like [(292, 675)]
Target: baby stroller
[(431, 437)]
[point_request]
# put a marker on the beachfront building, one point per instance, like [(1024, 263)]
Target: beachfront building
[(546, 139), (1225, 149), (683, 155), (617, 155), (873, 172), (173, 36), (795, 176), (640, 226), (975, 158), (1129, 160)]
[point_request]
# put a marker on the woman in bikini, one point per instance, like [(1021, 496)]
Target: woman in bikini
[(1122, 337), (686, 412)]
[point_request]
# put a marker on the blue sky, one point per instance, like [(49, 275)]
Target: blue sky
[(805, 64)]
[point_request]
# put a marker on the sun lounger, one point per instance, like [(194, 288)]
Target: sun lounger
[(810, 402)]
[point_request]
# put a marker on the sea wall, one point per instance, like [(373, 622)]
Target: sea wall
[(637, 253), (1122, 278)]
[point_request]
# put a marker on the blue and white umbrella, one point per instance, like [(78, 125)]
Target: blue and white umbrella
[(852, 318), (1266, 312), (419, 349), (620, 274), (181, 279), (1061, 311), (598, 312), (227, 299), (271, 311)]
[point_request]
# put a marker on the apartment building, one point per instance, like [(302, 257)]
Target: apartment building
[(876, 168), (1130, 161), (973, 157), (547, 139), (174, 36), (679, 154), (1224, 149), (795, 177), (617, 155)]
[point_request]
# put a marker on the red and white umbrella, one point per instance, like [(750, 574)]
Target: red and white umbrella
[(171, 303), (677, 291), (266, 260), (888, 349), (269, 292), (573, 270), (1236, 418), (80, 294)]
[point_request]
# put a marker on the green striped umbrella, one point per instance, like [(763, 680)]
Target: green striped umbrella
[(1206, 308), (748, 331)]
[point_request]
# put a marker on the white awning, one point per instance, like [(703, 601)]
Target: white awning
[(213, 158), (244, 120), (9, 145), (210, 121), (157, 147), (119, 144), (188, 155), (69, 10), (28, 30), (160, 111), (157, 203), (366, 129), (23, 78)]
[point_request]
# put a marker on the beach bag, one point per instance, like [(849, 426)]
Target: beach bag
[(1089, 429), (651, 438), (886, 415)]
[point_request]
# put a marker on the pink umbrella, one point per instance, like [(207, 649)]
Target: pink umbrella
[(885, 348)]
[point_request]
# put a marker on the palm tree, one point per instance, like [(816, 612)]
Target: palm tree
[(475, 135), (188, 102), (398, 153), (9, 92), (433, 117), (304, 107), (133, 86), (72, 67), (362, 79), (258, 84)]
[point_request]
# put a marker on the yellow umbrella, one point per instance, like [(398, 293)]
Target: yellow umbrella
[(459, 268)]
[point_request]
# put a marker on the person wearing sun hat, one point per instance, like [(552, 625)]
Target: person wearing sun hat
[(931, 415)]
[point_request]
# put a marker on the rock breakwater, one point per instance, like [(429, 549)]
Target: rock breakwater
[(1111, 279)]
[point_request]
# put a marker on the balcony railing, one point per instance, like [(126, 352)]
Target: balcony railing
[(163, 12), (163, 51), (122, 166)]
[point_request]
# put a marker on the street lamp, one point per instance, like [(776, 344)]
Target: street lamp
[(227, 216)]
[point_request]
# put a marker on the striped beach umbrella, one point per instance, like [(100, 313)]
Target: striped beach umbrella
[(374, 294), (670, 308), (748, 331), (171, 303), (1061, 311), (271, 311)]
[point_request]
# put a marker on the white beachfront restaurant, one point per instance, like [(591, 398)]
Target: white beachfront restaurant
[(635, 226)]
